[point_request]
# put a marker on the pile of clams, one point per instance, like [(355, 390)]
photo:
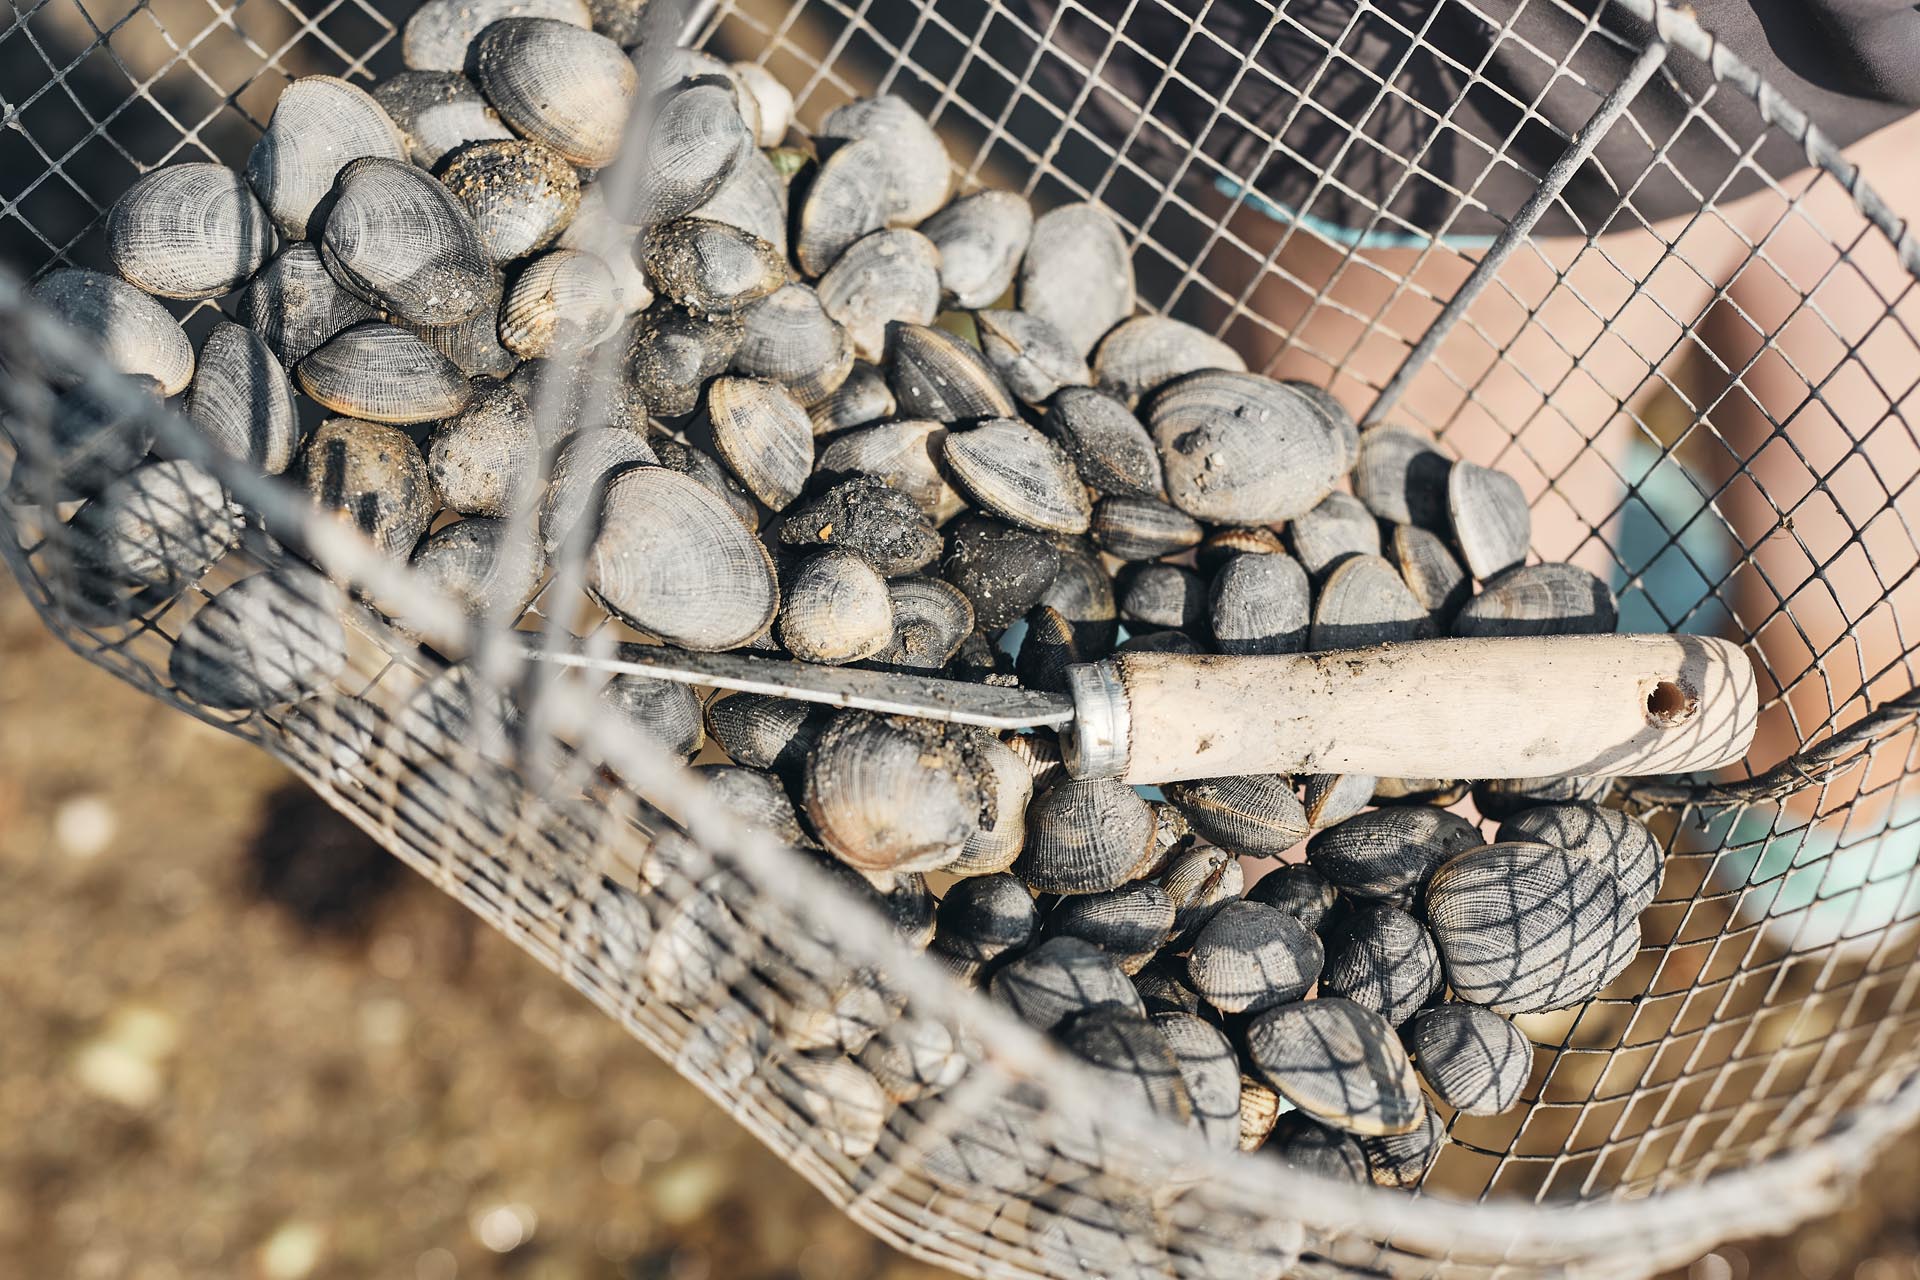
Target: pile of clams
[(844, 413)]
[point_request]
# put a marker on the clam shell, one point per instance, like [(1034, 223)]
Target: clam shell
[(696, 141), (1003, 825), (521, 194), (1333, 798), (846, 1104), (1168, 641), (159, 527), (383, 374), (753, 198), (1003, 571), (1142, 528), (373, 476), (1401, 475), (863, 397), (1014, 472), (930, 620), (684, 458), (1337, 417), (919, 175), (1211, 1071), (672, 355), (1299, 891), (1129, 1051), (1082, 593), (981, 239), (1260, 1110), (1047, 651), (1259, 604), (695, 952), (593, 229), (754, 796), (672, 561), (1199, 879), (1162, 984), (1145, 353), (891, 794), (936, 375), (1473, 1059), (1078, 274), (1339, 1063), (846, 201), (1440, 792), (266, 641), (294, 305), (1155, 596), (478, 566), (1492, 524), (438, 112), (1304, 1144), (1431, 573), (1501, 798), (868, 516), (1223, 544), (763, 435), (881, 278), (1034, 359), (788, 338), (1085, 837), (918, 1058), (1385, 852), (1338, 527), (1524, 928), (483, 458), (319, 125), (1402, 1160), (906, 455), (1249, 957), (985, 917), (190, 230), (562, 301), (338, 736), (836, 609), (473, 345), (135, 334), (397, 238), (711, 266), (1364, 602), (1060, 978), (773, 100), (1111, 447), (241, 400), (1242, 449), (664, 710), (558, 84), (764, 732), (622, 21), (1618, 843), (1130, 923), (439, 35), (1255, 815), (89, 442), (1381, 958), (1539, 600)]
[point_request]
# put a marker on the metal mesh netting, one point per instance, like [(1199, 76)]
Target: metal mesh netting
[(1706, 409)]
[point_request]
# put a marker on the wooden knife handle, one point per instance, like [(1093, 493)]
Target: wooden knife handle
[(1486, 708)]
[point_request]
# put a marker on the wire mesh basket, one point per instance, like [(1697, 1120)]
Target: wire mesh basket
[(1698, 375)]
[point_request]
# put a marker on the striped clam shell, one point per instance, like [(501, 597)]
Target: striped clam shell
[(789, 338), (1034, 359), (483, 458), (241, 400), (1473, 1059), (1617, 842), (931, 619), (846, 200), (1501, 798), (1259, 604), (91, 439), (1145, 353), (1200, 879), (1304, 1144), (1260, 1111), (438, 112), (846, 1104), (753, 198), (190, 230), (473, 345), (1082, 593), (1338, 526), (1298, 890), (594, 229), (1111, 446), (440, 34), (907, 454), (696, 140), (372, 476), (1249, 957), (1401, 476), (1492, 524), (918, 1057), (1402, 1160), (558, 84), (1386, 852), (1238, 448), (521, 194), (295, 306), (1255, 815), (1227, 541), (1142, 528), (480, 566), (671, 355), (1363, 602), (1159, 597), (1339, 1063), (836, 609), (882, 278), (266, 641), (919, 174), (763, 435), (891, 794), (383, 374), (1539, 600), (676, 455), (1047, 650), (1211, 1071), (1331, 798), (765, 732), (319, 125), (984, 917), (1078, 274), (754, 796), (135, 334), (1381, 958), (862, 398), (562, 301), (1085, 836), (159, 527), (1430, 570), (1128, 1051), (666, 711), (708, 266), (1060, 978), (937, 375), (1129, 923), (1339, 420), (1003, 823), (981, 239), (397, 238), (1018, 474)]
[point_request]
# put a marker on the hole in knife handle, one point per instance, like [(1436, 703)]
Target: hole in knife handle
[(1668, 705)]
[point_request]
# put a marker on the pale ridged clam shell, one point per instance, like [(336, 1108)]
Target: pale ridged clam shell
[(576, 483), (863, 397), (1199, 879), (1382, 959), (846, 1104), (1242, 449), (160, 527), (265, 641), (1085, 837), (383, 374), (1492, 524), (1401, 475), (1082, 593), (836, 610), (1003, 827), (1016, 473), (790, 339), (558, 84), (1338, 526), (919, 174), (295, 306), (763, 435), (985, 917), (479, 567), (846, 200), (865, 515), (241, 399), (664, 710), (1539, 600), (1060, 978), (1618, 843), (1333, 798), (1145, 353), (1002, 570), (188, 231), (1249, 957), (905, 454), (1389, 851), (562, 301), (931, 619), (671, 355), (473, 345), (373, 477), (440, 34), (981, 239), (892, 794), (1304, 1144), (399, 240), (1129, 923), (696, 141), (1129, 1052), (1259, 604), (1260, 1111), (1339, 1063), (754, 199), (1142, 528), (482, 459), (1401, 1160), (766, 732), (1298, 890), (1161, 597), (673, 562), (521, 194), (1429, 570), (319, 125), (882, 278), (135, 334), (1501, 798), (1034, 359), (1364, 602), (1078, 274), (1111, 446), (937, 375), (1525, 928), (917, 1058), (1224, 542), (1473, 1059), (1211, 1070), (1256, 815), (438, 112), (711, 266)]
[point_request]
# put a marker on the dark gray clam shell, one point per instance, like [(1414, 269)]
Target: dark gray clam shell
[(918, 173), (1078, 273), (483, 458), (1012, 471), (1142, 528), (1386, 852), (1473, 1059), (892, 794), (1060, 978), (1111, 446), (1082, 593), (766, 732), (1304, 1144), (373, 476), (521, 194), (1401, 475), (1617, 842), (1034, 359), (86, 441), (1130, 923), (397, 238), (1085, 837), (319, 125), (159, 527), (1338, 526), (1163, 596), (1380, 957), (1162, 984), (763, 435), (480, 567), (671, 356), (981, 238), (1003, 823), (1339, 1063), (241, 400), (440, 34), (753, 198), (696, 141), (558, 84), (862, 397), (1047, 650), (473, 345), (1249, 957), (1255, 815), (189, 230), (1492, 524), (1238, 448), (984, 917), (869, 516), (134, 333), (1365, 602), (905, 454), (754, 796), (917, 1058), (438, 112), (936, 375), (1337, 416), (846, 200), (1211, 1070), (1539, 600), (1129, 1051), (666, 711), (836, 609), (1260, 604), (296, 306), (1299, 891), (1145, 353), (1501, 798), (266, 641), (1002, 570), (383, 374)]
